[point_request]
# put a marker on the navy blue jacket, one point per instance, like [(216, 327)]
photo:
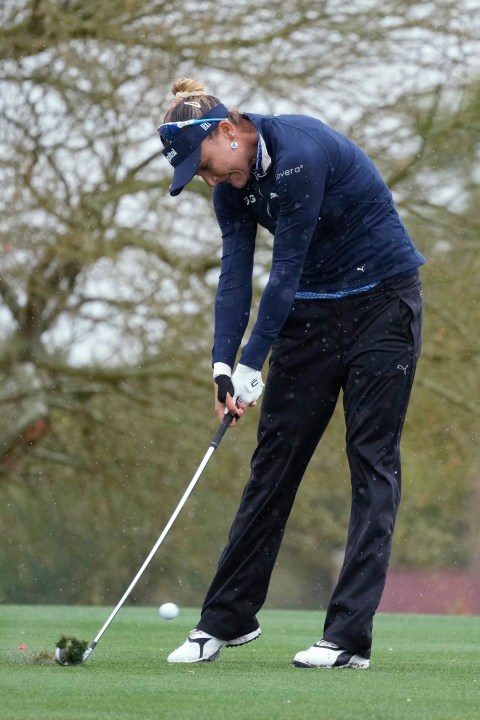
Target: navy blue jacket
[(334, 223)]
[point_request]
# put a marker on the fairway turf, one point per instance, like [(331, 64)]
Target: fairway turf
[(423, 667)]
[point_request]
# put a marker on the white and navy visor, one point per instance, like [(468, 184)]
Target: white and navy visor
[(183, 142)]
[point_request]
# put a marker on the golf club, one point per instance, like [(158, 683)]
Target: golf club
[(73, 652)]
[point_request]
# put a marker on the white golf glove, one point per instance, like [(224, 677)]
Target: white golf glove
[(248, 383)]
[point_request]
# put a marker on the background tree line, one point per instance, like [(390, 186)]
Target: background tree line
[(107, 283)]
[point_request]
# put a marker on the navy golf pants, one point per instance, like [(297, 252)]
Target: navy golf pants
[(366, 346)]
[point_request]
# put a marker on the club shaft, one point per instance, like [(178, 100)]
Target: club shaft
[(211, 449)]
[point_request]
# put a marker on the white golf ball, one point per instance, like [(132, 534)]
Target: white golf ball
[(168, 611)]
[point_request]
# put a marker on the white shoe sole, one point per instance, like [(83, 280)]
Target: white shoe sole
[(244, 639), (363, 665)]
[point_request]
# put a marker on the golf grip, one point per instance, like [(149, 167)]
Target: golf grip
[(222, 429), (211, 449)]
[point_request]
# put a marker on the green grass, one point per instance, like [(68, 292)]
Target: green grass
[(423, 666)]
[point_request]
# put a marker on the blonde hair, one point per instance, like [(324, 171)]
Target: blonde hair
[(191, 101)]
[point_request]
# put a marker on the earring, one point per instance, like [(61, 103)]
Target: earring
[(234, 145)]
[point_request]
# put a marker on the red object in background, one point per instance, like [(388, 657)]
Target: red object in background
[(446, 592), (22, 647)]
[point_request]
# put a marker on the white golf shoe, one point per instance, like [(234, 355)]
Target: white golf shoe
[(202, 647), (325, 654)]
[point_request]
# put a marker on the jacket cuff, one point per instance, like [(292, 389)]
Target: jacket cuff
[(220, 368)]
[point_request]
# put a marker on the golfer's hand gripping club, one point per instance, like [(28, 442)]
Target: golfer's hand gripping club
[(224, 394), (247, 383), (244, 388), (224, 387)]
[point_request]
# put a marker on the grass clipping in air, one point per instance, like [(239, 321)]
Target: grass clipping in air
[(72, 650)]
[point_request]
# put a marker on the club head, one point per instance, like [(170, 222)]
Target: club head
[(70, 651), (60, 657)]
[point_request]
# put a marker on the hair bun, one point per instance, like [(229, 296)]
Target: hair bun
[(186, 87)]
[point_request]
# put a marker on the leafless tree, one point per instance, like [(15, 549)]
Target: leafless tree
[(107, 283)]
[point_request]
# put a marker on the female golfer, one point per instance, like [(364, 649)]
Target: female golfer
[(341, 312)]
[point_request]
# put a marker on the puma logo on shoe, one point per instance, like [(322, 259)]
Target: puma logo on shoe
[(202, 641)]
